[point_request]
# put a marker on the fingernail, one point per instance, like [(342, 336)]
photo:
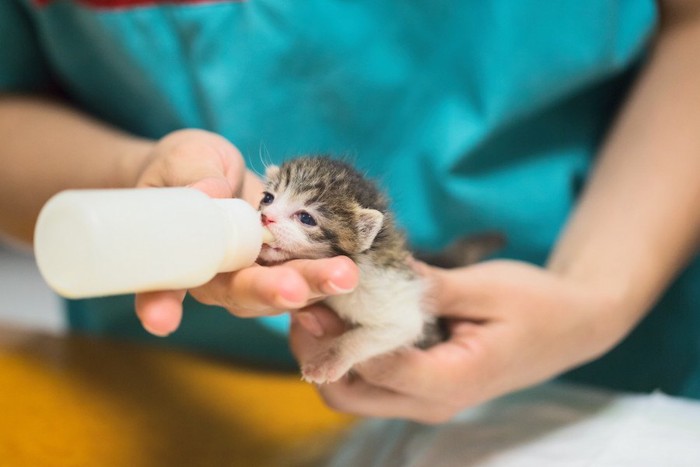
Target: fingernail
[(336, 289), (309, 322)]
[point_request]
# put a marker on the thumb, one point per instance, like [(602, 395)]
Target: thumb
[(198, 159), (311, 329), (214, 187), (160, 312), (458, 293), (319, 321)]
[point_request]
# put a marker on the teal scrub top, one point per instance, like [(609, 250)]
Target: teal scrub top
[(473, 115)]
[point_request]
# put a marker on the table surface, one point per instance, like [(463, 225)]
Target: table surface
[(72, 400)]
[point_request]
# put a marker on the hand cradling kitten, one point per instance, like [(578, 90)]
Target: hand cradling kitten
[(318, 207)]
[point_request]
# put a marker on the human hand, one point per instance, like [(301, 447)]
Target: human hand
[(209, 163), (512, 325)]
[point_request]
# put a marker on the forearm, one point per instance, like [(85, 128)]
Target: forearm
[(638, 223), (48, 146)]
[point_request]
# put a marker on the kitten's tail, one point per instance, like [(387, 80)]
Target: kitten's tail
[(465, 251)]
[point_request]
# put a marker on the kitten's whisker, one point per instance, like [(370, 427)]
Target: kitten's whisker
[(264, 155)]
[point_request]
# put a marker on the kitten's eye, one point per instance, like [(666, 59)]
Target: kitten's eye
[(306, 218), (268, 198)]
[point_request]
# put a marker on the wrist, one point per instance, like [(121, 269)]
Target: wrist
[(609, 294)]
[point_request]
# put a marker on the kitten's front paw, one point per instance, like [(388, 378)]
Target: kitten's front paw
[(327, 367)]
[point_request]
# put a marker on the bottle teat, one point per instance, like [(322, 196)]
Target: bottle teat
[(267, 236)]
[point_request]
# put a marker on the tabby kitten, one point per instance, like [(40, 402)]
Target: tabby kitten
[(319, 207)]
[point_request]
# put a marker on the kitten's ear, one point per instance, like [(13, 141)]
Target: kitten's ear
[(271, 172), (369, 222)]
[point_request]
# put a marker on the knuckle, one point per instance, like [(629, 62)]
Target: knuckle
[(247, 310), (226, 302), (202, 296)]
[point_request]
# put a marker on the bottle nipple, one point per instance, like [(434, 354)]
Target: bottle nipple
[(267, 237)]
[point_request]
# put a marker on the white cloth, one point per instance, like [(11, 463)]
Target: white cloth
[(552, 425)]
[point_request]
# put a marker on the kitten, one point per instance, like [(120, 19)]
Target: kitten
[(318, 207)]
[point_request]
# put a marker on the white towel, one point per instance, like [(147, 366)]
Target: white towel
[(552, 425)]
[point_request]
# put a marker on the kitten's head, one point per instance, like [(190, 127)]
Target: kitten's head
[(318, 207)]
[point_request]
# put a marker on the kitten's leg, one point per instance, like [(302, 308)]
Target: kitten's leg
[(360, 344)]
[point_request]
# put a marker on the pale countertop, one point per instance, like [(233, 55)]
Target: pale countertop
[(553, 425)]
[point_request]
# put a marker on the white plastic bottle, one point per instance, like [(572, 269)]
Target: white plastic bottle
[(91, 243)]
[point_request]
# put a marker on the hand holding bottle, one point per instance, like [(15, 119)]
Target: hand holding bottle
[(209, 163)]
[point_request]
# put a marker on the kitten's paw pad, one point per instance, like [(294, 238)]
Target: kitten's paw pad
[(325, 368)]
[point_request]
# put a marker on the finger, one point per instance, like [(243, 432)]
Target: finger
[(327, 276), (311, 329), (261, 290), (465, 292), (320, 320), (354, 395), (256, 291), (160, 312)]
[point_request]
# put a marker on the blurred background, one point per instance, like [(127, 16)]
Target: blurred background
[(25, 300)]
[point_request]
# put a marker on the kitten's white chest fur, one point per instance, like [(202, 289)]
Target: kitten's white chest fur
[(386, 311)]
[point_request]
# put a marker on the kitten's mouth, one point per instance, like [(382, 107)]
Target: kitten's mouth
[(271, 255)]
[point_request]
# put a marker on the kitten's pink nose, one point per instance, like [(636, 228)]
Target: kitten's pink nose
[(266, 220)]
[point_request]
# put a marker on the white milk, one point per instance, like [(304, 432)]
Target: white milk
[(91, 243)]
